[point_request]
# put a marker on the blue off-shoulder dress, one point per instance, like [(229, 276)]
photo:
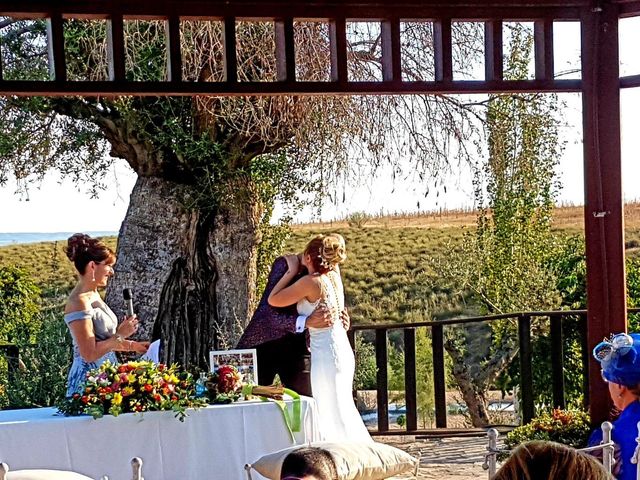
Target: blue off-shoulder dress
[(105, 323)]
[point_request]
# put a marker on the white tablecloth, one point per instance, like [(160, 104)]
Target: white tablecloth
[(212, 443)]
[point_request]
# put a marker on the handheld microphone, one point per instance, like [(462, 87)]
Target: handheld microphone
[(128, 298)]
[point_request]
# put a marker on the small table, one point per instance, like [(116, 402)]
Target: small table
[(212, 443)]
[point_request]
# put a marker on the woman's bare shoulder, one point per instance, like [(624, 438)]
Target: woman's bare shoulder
[(78, 302)]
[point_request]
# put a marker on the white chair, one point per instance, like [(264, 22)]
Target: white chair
[(40, 474)]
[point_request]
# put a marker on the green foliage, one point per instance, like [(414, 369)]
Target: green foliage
[(424, 378), (569, 427), (366, 370), (270, 247), (42, 380), (401, 420), (633, 291), (505, 263), (19, 306)]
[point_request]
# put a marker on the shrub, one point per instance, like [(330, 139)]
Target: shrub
[(358, 219), (41, 381), (366, 371), (19, 299), (569, 427)]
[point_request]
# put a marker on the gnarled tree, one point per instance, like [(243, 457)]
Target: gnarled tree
[(209, 169)]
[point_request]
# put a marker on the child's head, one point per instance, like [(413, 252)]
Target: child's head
[(309, 463)]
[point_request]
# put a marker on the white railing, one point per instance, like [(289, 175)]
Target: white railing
[(491, 457)]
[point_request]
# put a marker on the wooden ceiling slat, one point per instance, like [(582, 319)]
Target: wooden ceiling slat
[(543, 48), (230, 51), (285, 50), (630, 81), (55, 44), (174, 60), (107, 88), (442, 50), (493, 63), (115, 48), (338, 40), (391, 50)]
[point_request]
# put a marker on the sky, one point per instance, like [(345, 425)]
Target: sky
[(57, 205)]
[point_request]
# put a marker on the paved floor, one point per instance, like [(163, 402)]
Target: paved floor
[(446, 458)]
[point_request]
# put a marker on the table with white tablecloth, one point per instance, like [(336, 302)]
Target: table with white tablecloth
[(212, 443)]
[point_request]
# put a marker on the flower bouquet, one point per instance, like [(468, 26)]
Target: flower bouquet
[(137, 386), (225, 385)]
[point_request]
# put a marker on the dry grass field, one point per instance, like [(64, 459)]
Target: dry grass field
[(387, 275)]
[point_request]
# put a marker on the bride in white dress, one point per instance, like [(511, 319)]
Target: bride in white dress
[(332, 360)]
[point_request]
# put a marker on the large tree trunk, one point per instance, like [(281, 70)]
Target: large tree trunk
[(475, 374), (192, 271), (473, 396)]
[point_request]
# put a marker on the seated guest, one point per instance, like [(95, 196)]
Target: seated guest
[(94, 327), (309, 463), (550, 461), (620, 362)]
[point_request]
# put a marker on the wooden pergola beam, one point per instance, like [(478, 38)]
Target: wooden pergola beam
[(202, 9)]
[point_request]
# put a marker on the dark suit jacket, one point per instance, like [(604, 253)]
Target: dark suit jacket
[(270, 323)]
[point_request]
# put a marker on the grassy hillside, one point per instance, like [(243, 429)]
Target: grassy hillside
[(387, 275)]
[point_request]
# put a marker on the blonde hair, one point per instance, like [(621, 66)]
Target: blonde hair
[(539, 460), (326, 252)]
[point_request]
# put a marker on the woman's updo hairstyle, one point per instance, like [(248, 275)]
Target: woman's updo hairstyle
[(82, 249), (326, 251)]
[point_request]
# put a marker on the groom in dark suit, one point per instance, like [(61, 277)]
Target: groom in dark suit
[(278, 336)]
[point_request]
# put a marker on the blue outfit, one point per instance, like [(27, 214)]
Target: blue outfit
[(624, 435), (105, 323)]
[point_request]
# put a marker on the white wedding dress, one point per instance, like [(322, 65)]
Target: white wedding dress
[(332, 368)]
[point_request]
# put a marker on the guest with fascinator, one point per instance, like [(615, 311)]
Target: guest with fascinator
[(619, 359)]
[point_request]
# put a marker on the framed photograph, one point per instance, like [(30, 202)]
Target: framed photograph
[(245, 360)]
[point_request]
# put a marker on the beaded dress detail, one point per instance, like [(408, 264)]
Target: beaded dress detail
[(332, 368)]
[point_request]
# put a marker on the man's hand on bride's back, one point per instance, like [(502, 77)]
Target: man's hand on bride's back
[(346, 320), (320, 318)]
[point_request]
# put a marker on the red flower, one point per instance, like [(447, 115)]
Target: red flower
[(148, 388), (85, 399)]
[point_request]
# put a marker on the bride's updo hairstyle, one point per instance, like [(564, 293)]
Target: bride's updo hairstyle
[(326, 251), (82, 249)]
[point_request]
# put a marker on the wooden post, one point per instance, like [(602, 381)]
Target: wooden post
[(410, 393), (603, 213), (383, 396)]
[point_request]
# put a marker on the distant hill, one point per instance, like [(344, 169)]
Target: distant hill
[(387, 276)]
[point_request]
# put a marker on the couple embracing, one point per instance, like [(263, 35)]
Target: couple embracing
[(305, 291)]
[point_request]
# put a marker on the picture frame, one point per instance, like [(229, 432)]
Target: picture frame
[(245, 360)]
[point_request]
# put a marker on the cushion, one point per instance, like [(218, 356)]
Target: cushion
[(45, 475), (354, 460)]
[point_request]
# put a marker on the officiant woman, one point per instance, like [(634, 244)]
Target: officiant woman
[(94, 327)]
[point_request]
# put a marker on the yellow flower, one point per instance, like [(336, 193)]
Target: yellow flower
[(117, 398)]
